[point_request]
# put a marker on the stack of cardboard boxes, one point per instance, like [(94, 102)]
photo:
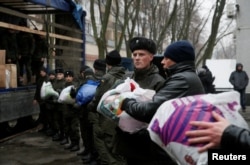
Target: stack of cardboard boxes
[(8, 73)]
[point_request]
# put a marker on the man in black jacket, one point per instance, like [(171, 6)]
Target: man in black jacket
[(239, 79), (207, 79)]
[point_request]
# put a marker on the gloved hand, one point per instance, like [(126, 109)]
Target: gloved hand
[(73, 92)]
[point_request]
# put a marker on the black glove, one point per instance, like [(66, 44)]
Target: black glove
[(73, 92)]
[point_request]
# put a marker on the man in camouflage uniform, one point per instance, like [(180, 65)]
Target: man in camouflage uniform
[(88, 75), (103, 128), (50, 106), (138, 148), (70, 119), (88, 118), (58, 86)]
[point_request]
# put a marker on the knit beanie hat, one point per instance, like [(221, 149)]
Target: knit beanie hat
[(113, 58), (180, 51), (100, 64), (143, 43)]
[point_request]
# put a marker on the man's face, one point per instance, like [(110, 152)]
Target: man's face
[(167, 62), (239, 68), (52, 77), (142, 59), (68, 78), (59, 76), (42, 73)]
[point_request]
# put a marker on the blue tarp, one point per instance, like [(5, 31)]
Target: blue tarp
[(65, 5), (57, 4)]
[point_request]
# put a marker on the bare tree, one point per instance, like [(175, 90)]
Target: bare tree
[(211, 42), (163, 21), (121, 20), (100, 36)]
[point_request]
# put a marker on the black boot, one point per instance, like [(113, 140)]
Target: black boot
[(69, 146), (75, 147), (64, 141), (57, 137), (89, 159), (50, 132), (83, 152)]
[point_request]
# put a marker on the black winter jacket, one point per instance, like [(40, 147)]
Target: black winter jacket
[(239, 78), (235, 138), (182, 81)]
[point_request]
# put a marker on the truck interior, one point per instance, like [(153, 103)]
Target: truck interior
[(62, 22)]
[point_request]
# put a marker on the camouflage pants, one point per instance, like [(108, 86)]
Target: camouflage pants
[(71, 124)]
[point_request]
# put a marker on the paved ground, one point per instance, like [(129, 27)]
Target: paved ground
[(35, 148)]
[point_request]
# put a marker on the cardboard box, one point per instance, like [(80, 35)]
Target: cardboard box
[(2, 76), (13, 74), (2, 56)]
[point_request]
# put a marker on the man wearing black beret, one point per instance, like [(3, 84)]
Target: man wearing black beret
[(58, 86), (146, 74), (70, 118)]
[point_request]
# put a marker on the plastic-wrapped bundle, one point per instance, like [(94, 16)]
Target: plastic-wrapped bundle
[(47, 91), (65, 96), (86, 92), (110, 104), (169, 124)]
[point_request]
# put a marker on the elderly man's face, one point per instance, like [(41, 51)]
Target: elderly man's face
[(142, 59)]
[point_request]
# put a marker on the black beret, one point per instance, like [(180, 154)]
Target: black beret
[(143, 43), (59, 70), (69, 73)]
